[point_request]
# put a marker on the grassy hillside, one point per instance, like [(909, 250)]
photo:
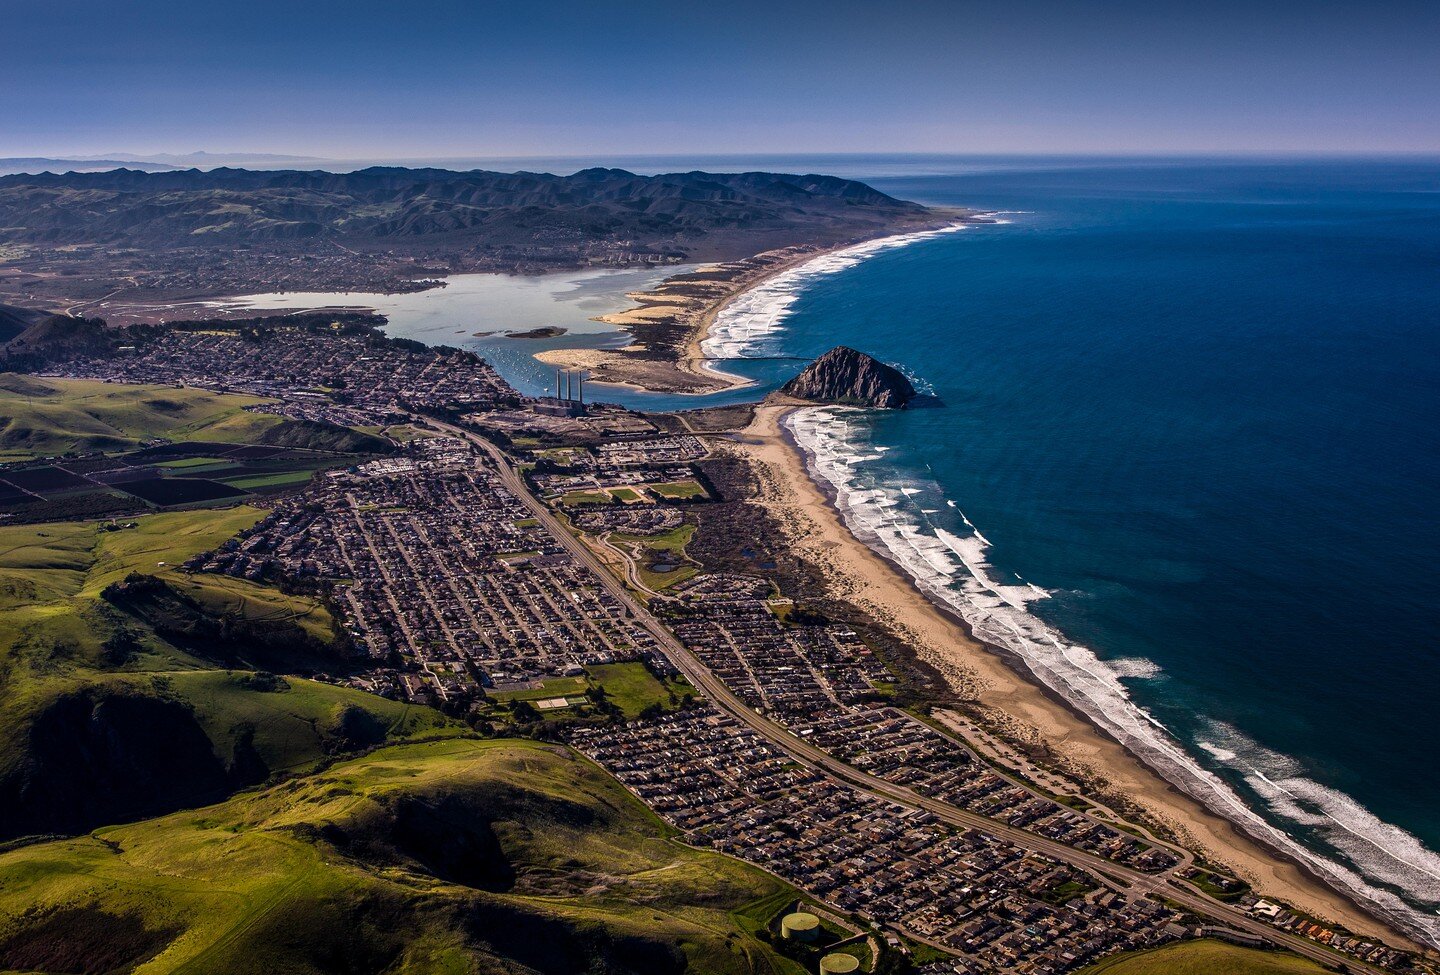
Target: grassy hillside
[(14, 320), (108, 712), (447, 857), (46, 417), (52, 576), (1205, 958)]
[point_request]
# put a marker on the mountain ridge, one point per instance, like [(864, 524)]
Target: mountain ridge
[(252, 204), (129, 239)]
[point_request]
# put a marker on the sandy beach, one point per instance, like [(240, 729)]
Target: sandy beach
[(1005, 699), (670, 322)]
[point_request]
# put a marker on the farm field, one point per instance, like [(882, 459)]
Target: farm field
[(80, 449), (1204, 958)]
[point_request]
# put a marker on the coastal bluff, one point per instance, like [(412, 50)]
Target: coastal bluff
[(847, 377)]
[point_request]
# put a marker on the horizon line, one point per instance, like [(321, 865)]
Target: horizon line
[(688, 154)]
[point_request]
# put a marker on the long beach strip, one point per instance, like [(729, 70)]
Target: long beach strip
[(934, 588)]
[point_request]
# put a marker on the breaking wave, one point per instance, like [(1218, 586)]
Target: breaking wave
[(1326, 830), (1382, 852), (752, 317)]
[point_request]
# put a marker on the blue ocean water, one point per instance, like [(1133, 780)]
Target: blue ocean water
[(1198, 403)]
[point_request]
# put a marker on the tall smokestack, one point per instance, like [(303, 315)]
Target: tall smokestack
[(582, 387), (569, 383), (557, 383)]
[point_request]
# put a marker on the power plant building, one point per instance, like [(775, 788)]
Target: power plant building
[(569, 398)]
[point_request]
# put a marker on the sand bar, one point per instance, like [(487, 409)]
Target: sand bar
[(669, 323)]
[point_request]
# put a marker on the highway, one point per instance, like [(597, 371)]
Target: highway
[(1126, 878)]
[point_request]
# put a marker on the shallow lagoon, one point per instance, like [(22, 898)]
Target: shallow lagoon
[(495, 304)]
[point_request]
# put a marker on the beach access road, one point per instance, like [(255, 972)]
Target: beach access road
[(1130, 881)]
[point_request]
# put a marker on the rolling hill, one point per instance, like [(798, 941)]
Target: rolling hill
[(47, 417), (1206, 957), (109, 712), (49, 338), (15, 320), (43, 417), (129, 687), (446, 857)]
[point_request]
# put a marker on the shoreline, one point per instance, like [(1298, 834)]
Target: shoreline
[(1003, 689), (668, 363), (685, 373)]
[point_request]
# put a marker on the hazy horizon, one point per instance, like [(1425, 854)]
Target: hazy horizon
[(565, 79), (860, 166)]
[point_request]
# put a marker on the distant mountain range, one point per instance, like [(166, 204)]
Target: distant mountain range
[(44, 164), (100, 242), (151, 163), (207, 160), (190, 207)]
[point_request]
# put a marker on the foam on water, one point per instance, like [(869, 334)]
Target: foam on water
[(744, 325), (1356, 851), (1383, 851), (1135, 668)]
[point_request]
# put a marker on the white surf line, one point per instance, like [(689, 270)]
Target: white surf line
[(1088, 682), (1321, 811), (759, 312)]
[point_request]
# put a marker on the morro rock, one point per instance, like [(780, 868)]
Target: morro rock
[(851, 378)]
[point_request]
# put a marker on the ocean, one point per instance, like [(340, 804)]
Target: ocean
[(1184, 460), (1179, 455)]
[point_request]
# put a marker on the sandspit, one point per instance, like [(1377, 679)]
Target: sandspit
[(670, 324)]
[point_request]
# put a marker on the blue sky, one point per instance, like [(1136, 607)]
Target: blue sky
[(422, 78)]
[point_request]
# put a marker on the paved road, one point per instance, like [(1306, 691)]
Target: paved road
[(391, 588), (1126, 878)]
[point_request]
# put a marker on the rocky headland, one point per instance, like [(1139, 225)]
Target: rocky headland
[(846, 377)]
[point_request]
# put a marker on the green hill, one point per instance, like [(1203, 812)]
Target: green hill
[(42, 417), (14, 320), (53, 576), (46, 417), (310, 435), (447, 857), (340, 832), (55, 338), (108, 712), (1205, 958)]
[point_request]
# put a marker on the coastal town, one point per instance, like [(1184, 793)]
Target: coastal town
[(527, 564), (581, 488)]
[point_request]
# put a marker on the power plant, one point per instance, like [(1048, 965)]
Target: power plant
[(569, 398)]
